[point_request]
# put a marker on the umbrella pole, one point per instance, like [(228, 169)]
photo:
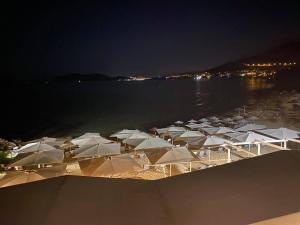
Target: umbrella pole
[(258, 149), (170, 169), (190, 166), (164, 170), (285, 144), (228, 155), (209, 156)]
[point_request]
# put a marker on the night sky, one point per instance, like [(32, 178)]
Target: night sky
[(141, 37)]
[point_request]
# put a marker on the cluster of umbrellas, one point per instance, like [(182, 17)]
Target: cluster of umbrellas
[(99, 156)]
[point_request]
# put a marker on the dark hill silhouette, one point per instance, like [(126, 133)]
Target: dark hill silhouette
[(287, 52)]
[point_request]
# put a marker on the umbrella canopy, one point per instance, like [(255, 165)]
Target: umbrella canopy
[(203, 120), (175, 155), (90, 141), (153, 143), (53, 171), (47, 140), (234, 134), (175, 131), (136, 138), (178, 122), (98, 150), (192, 121), (162, 130), (190, 136), (281, 133), (251, 126), (35, 147), (218, 130), (44, 157), (88, 135), (112, 166), (214, 141), (123, 134), (251, 137), (195, 126), (20, 177)]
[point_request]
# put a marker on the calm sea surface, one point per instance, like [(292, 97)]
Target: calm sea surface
[(30, 111)]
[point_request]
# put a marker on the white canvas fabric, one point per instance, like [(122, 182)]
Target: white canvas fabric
[(99, 150), (35, 147), (153, 143), (90, 141), (112, 166), (218, 130), (250, 127), (44, 157), (175, 155), (251, 137), (213, 141), (281, 133)]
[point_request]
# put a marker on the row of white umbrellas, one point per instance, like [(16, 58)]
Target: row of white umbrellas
[(94, 145), (215, 119)]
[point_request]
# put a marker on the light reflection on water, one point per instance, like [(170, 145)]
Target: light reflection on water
[(258, 84)]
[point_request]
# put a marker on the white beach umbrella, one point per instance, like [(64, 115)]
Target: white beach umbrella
[(111, 166), (178, 122), (251, 126), (90, 141), (232, 135), (193, 125), (153, 143), (43, 157), (218, 130), (175, 131), (198, 126), (136, 138), (190, 136), (214, 141), (281, 133), (87, 135), (192, 121), (175, 155), (203, 120), (162, 130), (19, 177), (35, 147), (44, 140), (98, 150), (252, 137), (123, 134)]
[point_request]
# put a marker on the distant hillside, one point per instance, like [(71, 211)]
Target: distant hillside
[(288, 52)]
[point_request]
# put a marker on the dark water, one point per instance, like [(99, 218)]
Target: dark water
[(70, 109)]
